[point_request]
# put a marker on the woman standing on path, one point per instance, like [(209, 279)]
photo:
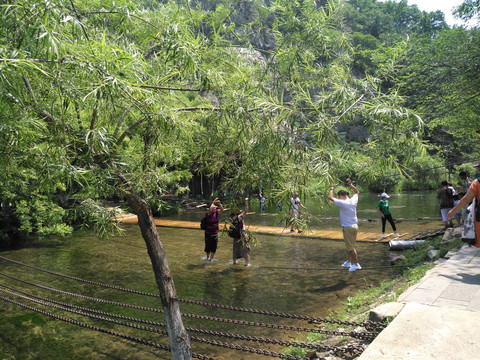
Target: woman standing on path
[(241, 248), (384, 210), (212, 229)]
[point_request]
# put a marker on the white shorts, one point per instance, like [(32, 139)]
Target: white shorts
[(444, 213)]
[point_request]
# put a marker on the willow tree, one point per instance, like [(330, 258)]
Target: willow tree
[(441, 79), (96, 92), (116, 97)]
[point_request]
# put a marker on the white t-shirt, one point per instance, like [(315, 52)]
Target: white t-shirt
[(294, 202), (348, 210)]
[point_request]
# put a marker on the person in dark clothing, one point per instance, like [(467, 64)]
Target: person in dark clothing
[(241, 248), (445, 199), (212, 229)]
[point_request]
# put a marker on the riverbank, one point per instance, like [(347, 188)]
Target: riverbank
[(371, 304), (438, 317)]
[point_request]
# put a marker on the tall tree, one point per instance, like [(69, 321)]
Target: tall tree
[(441, 79), (113, 97)]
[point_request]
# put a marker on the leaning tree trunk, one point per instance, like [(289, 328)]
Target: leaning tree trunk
[(178, 336)]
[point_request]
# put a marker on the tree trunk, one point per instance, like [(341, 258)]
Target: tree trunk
[(178, 336)]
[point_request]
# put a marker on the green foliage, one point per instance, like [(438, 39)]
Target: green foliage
[(441, 80), (468, 10), (469, 170), (390, 21), (36, 215), (425, 173), (104, 96), (91, 214), (160, 207), (41, 217)]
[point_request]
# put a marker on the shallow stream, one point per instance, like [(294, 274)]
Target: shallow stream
[(291, 274)]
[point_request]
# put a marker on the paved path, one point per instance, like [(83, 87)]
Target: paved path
[(440, 318)]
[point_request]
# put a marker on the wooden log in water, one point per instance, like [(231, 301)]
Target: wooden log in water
[(280, 231)]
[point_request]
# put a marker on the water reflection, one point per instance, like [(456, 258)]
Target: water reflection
[(289, 274)]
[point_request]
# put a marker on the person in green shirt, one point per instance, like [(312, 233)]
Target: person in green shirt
[(384, 210)]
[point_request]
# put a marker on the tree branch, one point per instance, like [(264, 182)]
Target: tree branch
[(197, 108), (174, 89), (42, 112), (351, 106), (80, 21)]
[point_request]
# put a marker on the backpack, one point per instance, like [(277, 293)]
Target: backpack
[(235, 231), (203, 223)]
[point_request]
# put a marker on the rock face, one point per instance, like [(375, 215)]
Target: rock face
[(244, 13)]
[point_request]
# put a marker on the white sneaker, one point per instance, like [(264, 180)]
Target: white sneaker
[(397, 235), (383, 236), (346, 264), (355, 267)]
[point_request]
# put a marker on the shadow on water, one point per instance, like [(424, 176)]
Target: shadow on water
[(341, 284), (289, 273)]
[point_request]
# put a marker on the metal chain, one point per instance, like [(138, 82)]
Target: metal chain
[(310, 319), (354, 334), (109, 332), (351, 349), (162, 332), (367, 324)]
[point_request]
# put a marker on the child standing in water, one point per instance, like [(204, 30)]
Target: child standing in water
[(384, 210)]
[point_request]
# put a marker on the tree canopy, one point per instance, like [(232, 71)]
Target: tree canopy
[(121, 98), (97, 89)]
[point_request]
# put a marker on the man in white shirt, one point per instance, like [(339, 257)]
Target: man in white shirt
[(348, 219), (294, 204)]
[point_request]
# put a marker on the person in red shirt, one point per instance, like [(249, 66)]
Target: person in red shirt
[(212, 229)]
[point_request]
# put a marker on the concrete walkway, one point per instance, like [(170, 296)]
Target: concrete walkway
[(440, 317)]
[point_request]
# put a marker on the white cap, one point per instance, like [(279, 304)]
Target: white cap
[(384, 195)]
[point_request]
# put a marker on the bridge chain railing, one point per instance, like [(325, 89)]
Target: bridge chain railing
[(367, 324), (372, 328), (96, 328), (149, 329), (364, 335), (349, 349)]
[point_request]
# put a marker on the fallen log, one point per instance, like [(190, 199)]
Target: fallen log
[(404, 244)]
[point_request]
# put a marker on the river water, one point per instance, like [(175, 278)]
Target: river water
[(294, 274), (276, 279)]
